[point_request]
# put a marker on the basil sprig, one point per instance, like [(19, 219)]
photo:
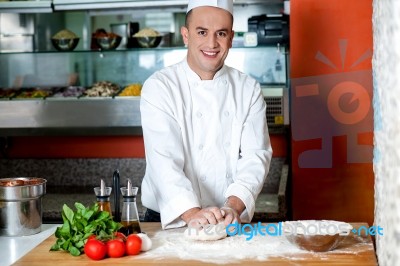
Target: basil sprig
[(79, 225)]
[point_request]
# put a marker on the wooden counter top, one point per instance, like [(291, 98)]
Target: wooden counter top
[(170, 248)]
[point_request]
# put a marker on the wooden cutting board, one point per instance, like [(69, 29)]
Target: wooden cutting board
[(354, 255)]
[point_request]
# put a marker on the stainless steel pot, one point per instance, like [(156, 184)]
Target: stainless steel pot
[(21, 205)]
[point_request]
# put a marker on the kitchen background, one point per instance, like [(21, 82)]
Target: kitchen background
[(331, 172), (329, 152), (75, 142)]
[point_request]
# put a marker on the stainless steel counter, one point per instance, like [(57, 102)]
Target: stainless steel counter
[(79, 117), (99, 116)]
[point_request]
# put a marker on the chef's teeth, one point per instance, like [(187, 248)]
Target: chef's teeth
[(209, 53)]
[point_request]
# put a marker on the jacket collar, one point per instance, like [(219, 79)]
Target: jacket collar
[(193, 78)]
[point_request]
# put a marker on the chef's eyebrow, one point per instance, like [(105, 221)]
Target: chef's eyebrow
[(205, 29), (201, 28)]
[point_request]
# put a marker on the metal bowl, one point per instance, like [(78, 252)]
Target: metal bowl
[(317, 243), (108, 43), (146, 42), (317, 236), (21, 205), (65, 44)]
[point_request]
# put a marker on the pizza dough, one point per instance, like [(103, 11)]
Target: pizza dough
[(210, 232)]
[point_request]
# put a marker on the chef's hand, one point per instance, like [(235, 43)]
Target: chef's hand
[(232, 210), (230, 215), (197, 217)]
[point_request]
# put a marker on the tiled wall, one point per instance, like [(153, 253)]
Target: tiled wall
[(89, 172), (72, 180), (75, 172), (386, 68)]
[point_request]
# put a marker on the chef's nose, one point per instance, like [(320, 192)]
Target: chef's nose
[(212, 41)]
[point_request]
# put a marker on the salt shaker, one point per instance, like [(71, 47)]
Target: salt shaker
[(130, 216)]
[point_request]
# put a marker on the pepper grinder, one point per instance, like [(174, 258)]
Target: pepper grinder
[(117, 215), (103, 197), (130, 216)]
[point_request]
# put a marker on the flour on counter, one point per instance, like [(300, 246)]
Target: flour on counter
[(210, 232), (174, 245)]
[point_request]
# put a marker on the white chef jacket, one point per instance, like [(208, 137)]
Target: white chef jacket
[(205, 140)]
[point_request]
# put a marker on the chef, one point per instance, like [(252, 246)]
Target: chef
[(206, 139)]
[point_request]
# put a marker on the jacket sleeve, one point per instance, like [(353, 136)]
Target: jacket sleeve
[(165, 177), (255, 156)]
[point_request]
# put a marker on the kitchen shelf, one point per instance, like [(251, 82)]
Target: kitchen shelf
[(77, 117), (88, 116), (119, 4), (41, 6), (48, 6), (126, 66)]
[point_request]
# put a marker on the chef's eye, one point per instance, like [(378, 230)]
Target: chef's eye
[(202, 32), (222, 34)]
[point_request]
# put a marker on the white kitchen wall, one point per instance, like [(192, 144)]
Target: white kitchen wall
[(386, 69)]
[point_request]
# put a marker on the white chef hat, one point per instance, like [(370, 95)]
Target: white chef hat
[(224, 4)]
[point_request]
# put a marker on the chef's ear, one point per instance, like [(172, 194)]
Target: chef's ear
[(231, 38), (185, 35)]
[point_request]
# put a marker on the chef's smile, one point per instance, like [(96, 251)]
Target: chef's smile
[(210, 54)]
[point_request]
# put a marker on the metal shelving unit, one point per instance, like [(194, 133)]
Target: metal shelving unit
[(48, 6), (108, 115), (39, 6)]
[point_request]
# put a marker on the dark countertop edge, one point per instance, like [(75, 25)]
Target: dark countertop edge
[(72, 131), (89, 131)]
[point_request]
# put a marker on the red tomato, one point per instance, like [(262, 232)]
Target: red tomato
[(133, 244), (95, 249), (115, 248), (119, 235), (91, 237)]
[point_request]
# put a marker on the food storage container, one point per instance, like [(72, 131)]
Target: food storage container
[(21, 205)]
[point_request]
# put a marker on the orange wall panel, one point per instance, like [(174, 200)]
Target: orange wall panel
[(331, 110), (319, 26), (279, 145), (96, 147), (76, 147)]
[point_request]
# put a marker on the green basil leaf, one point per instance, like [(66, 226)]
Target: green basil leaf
[(65, 245), (79, 226), (74, 251), (103, 215), (80, 244), (55, 247), (84, 222), (80, 207), (87, 215), (63, 231), (69, 214), (88, 228), (58, 232)]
